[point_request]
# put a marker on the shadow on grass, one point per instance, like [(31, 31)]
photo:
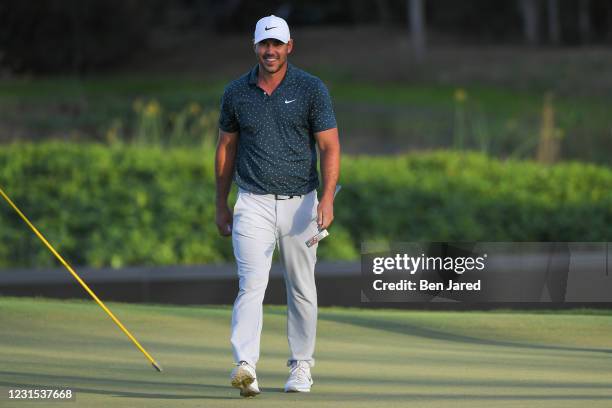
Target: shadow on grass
[(327, 379), (63, 379), (412, 397), (414, 330), (102, 380), (349, 395), (115, 393), (460, 382)]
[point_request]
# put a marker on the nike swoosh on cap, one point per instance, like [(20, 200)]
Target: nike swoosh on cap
[(268, 28)]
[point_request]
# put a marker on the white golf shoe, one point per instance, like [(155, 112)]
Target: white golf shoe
[(244, 377), (299, 379)]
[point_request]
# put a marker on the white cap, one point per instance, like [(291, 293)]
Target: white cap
[(271, 27)]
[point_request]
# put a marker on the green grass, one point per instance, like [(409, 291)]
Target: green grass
[(365, 358)]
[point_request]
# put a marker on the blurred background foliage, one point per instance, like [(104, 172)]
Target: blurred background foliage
[(86, 35), (472, 120)]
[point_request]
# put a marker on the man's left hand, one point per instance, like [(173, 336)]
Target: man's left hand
[(325, 213)]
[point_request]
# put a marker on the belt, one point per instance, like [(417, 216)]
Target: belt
[(285, 197)]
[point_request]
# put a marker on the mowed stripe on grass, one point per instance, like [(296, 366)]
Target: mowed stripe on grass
[(370, 358)]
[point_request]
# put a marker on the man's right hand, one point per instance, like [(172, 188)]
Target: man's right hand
[(224, 168), (224, 220)]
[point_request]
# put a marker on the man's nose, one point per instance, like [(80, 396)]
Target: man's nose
[(270, 47)]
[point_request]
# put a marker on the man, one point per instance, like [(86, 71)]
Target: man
[(271, 118)]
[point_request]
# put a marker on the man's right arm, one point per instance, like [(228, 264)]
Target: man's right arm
[(225, 159)]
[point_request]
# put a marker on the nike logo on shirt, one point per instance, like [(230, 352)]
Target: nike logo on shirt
[(293, 100)]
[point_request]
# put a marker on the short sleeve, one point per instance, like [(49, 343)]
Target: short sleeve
[(321, 116), (227, 116)]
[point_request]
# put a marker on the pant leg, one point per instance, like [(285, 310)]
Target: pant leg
[(254, 240), (296, 226)]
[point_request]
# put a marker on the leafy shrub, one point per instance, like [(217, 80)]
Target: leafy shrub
[(446, 196), (141, 204)]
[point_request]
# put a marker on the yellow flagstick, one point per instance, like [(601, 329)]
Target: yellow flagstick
[(83, 284)]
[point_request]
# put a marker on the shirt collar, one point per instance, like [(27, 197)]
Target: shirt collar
[(288, 75)]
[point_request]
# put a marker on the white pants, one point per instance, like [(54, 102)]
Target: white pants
[(260, 223)]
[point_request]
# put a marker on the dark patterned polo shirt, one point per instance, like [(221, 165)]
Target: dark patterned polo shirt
[(276, 145)]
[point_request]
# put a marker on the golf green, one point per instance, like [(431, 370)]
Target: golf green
[(368, 358)]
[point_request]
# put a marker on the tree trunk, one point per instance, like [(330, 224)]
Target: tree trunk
[(554, 25), (358, 10), (416, 17), (609, 24), (384, 12), (549, 146), (530, 13), (584, 20)]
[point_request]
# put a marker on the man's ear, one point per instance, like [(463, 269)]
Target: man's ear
[(290, 46)]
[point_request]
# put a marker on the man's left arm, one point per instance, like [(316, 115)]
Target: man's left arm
[(329, 149)]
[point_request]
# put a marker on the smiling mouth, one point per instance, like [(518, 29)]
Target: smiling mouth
[(270, 59)]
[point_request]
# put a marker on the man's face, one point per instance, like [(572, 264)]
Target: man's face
[(272, 54)]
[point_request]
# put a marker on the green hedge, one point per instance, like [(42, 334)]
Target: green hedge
[(130, 205)]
